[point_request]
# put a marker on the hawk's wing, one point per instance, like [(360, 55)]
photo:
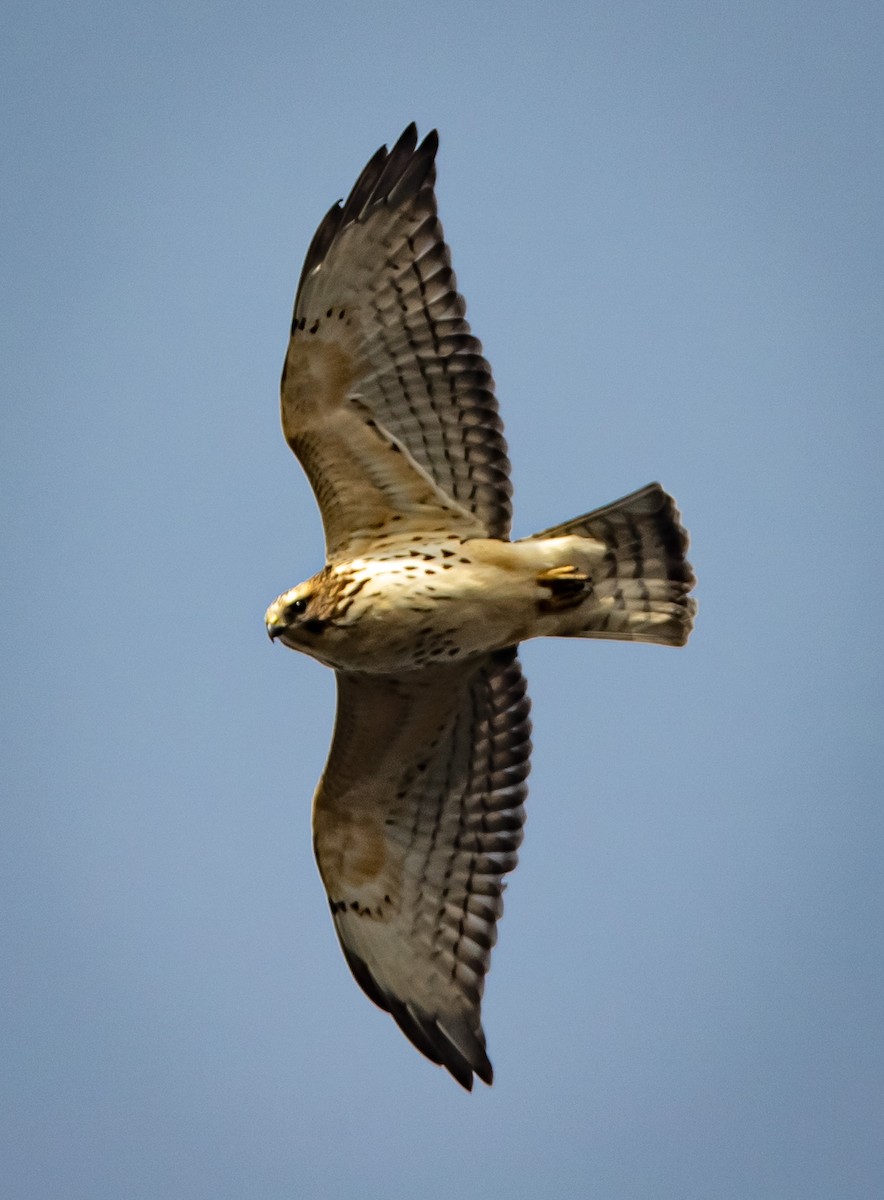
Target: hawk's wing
[(386, 398), (417, 817)]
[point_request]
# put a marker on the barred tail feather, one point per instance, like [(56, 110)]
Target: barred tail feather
[(639, 591)]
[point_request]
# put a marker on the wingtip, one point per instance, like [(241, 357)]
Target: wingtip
[(453, 1044), (407, 139), (466, 1071), (409, 136), (389, 176), (430, 144)]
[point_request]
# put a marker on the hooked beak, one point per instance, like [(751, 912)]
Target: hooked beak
[(275, 631)]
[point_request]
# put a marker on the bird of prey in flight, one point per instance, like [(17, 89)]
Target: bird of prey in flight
[(388, 403)]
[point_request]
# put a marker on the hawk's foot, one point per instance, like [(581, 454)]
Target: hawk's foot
[(568, 586)]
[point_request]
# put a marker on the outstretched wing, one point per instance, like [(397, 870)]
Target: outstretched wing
[(386, 398), (417, 817)]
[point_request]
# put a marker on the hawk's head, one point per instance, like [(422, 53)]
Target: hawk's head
[(319, 617), (298, 617)]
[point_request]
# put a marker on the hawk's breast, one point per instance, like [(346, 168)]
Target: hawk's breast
[(422, 604)]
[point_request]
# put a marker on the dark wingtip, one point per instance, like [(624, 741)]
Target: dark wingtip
[(460, 1054), (406, 141), (389, 177), (430, 144)]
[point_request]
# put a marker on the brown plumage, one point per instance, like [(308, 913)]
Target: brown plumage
[(389, 405)]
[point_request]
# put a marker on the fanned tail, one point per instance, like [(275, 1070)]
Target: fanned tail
[(639, 590)]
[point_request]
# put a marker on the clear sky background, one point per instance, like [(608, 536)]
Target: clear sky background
[(666, 219)]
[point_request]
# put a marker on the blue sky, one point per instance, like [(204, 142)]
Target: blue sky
[(666, 220)]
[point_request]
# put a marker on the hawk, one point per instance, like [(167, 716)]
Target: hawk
[(389, 405)]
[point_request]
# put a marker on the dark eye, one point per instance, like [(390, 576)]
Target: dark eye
[(297, 608)]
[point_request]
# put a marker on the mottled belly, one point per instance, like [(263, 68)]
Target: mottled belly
[(414, 613)]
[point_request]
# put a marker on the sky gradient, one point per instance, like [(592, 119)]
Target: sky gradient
[(666, 221)]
